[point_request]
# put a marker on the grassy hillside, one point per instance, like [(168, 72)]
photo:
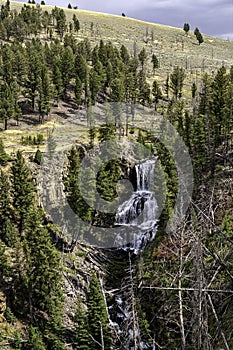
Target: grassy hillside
[(170, 45), (176, 272), (164, 41)]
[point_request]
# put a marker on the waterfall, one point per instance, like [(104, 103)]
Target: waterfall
[(137, 215), (137, 218)]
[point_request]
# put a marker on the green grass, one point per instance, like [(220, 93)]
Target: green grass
[(171, 46), (166, 43)]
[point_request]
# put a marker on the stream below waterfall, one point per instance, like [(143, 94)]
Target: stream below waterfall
[(138, 214)]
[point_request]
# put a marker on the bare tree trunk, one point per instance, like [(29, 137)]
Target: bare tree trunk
[(102, 336), (133, 306), (180, 293)]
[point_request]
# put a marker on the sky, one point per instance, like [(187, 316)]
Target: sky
[(213, 17)]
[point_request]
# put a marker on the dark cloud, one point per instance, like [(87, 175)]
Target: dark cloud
[(216, 21)]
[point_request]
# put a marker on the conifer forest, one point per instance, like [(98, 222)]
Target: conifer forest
[(62, 287)]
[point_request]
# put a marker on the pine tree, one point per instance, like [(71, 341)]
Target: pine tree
[(23, 191), (81, 67), (76, 23), (194, 90), (15, 94), (155, 62), (186, 28), (9, 233), (61, 22), (5, 199), (67, 66), (57, 82), (109, 74), (156, 92), (34, 73), (124, 54), (38, 157), (82, 340), (177, 81), (205, 96), (6, 104), (35, 341), (43, 260), (198, 36), (144, 90), (167, 86), (44, 89), (94, 84), (7, 64), (3, 155), (72, 183), (102, 53), (142, 56), (78, 91), (117, 90), (97, 315), (5, 269)]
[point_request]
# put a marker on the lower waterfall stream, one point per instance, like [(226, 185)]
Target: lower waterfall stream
[(137, 213)]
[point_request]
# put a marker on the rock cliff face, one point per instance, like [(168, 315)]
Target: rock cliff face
[(115, 266)]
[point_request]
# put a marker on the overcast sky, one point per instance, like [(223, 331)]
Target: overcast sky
[(213, 17)]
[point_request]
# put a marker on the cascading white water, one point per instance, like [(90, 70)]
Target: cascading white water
[(137, 217)]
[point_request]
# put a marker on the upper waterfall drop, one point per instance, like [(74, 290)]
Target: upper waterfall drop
[(145, 175), (138, 213)]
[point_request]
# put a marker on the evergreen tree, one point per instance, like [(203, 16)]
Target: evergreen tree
[(102, 53), (38, 157), (167, 86), (124, 54), (5, 200), (35, 341), (78, 91), (81, 67), (186, 28), (144, 90), (3, 155), (97, 315), (94, 84), (177, 81), (20, 64), (5, 269), (194, 90), (205, 96), (61, 22), (44, 281), (7, 64), (67, 66), (57, 82), (44, 89), (6, 104), (76, 23), (3, 32), (74, 196), (23, 191), (9, 232), (15, 94), (34, 73), (109, 74), (82, 340), (117, 90), (156, 92), (155, 62), (142, 56), (198, 36)]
